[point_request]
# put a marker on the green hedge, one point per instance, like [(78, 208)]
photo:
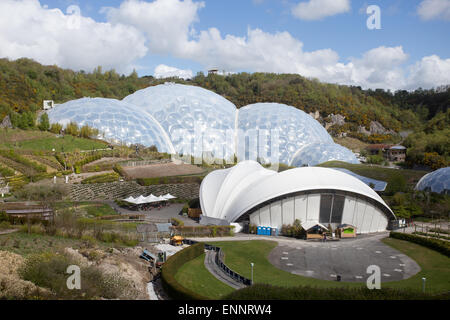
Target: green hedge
[(171, 267), (205, 231), (118, 168), (169, 180), (269, 292), (431, 235), (434, 244), (101, 178), (6, 172), (10, 154)]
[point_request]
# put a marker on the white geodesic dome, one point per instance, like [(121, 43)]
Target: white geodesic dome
[(189, 120), (301, 139), (437, 181), (186, 112), (116, 120)]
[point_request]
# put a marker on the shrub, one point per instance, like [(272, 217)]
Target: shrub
[(48, 270), (170, 268), (101, 178), (440, 246), (177, 222)]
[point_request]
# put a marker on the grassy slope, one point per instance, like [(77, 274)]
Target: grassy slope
[(196, 277), (26, 244), (378, 173), (38, 140)]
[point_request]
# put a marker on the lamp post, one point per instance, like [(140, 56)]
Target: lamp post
[(252, 264)]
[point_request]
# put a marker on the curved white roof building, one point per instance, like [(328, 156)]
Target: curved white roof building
[(189, 120), (249, 192)]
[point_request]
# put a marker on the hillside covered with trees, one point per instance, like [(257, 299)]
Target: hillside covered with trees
[(24, 84)]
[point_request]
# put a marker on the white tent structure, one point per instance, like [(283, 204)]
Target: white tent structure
[(250, 193), (149, 199)]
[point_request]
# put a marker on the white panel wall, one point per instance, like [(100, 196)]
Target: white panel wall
[(359, 214), (313, 207), (254, 218), (376, 218), (288, 210), (301, 208), (264, 216), (349, 210), (382, 223), (368, 216), (275, 215), (364, 216)]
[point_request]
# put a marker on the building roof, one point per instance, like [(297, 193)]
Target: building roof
[(228, 194), (398, 148)]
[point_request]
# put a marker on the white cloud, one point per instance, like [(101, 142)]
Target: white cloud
[(167, 23), (52, 37), (434, 9), (163, 71), (382, 67), (429, 72), (29, 30), (319, 9)]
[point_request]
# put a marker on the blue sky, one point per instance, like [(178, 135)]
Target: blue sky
[(410, 47)]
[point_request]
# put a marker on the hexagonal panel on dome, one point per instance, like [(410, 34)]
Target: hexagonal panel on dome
[(295, 129), (187, 112), (116, 120), (317, 153), (437, 181)]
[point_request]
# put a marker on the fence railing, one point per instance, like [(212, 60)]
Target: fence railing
[(219, 262)]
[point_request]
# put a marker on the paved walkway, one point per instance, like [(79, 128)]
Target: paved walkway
[(158, 216), (214, 269)]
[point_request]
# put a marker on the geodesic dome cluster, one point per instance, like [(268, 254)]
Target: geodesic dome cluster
[(189, 120)]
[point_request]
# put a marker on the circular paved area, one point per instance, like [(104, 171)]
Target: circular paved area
[(348, 258)]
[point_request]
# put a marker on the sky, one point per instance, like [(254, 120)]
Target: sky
[(399, 44)]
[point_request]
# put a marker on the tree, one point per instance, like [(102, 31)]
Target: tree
[(56, 128), (44, 124), (72, 129)]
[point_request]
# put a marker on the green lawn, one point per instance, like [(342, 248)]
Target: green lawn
[(196, 277), (38, 140), (435, 267), (66, 144), (94, 209), (238, 255)]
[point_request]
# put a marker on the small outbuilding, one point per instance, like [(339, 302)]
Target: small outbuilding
[(346, 231), (314, 230)]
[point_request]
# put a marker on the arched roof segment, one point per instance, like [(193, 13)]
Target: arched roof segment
[(249, 184)]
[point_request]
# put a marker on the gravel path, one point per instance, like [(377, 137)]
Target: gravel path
[(218, 273)]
